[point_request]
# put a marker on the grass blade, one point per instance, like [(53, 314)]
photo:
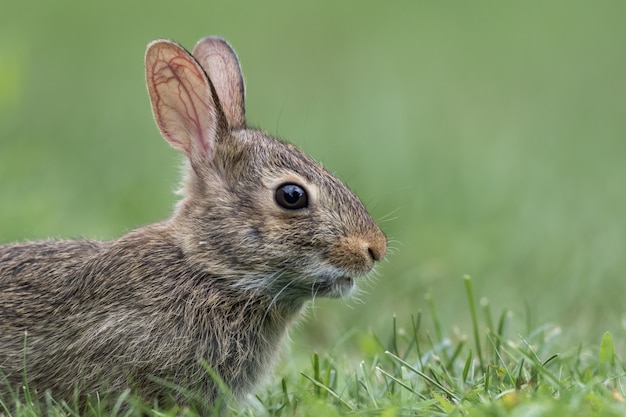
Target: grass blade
[(607, 351), (433, 313), (328, 390), (399, 382), (472, 305), (423, 375)]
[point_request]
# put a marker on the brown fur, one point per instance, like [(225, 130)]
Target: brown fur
[(220, 281)]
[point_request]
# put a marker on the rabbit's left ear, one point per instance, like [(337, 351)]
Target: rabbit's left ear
[(222, 66), (183, 102)]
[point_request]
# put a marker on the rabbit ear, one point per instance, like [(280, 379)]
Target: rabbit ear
[(222, 66), (183, 103)]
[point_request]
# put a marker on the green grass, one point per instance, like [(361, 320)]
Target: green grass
[(488, 137), (419, 369)]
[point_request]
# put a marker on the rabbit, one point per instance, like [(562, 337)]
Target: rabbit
[(198, 303)]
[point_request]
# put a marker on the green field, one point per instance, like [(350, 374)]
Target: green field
[(489, 139)]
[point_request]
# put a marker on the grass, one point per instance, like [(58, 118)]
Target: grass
[(488, 137), (415, 369)]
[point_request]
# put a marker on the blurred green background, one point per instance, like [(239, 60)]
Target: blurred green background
[(489, 138)]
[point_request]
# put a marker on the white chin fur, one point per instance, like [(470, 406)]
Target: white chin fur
[(342, 287)]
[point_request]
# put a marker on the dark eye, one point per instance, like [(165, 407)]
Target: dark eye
[(291, 197)]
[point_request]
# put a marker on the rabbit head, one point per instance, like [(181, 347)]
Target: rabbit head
[(256, 211)]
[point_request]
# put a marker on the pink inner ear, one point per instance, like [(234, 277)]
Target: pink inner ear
[(222, 66), (182, 101)]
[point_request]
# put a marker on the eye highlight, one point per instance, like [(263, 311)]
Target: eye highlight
[(291, 197)]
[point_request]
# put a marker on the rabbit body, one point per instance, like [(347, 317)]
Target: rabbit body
[(260, 230), (98, 315)]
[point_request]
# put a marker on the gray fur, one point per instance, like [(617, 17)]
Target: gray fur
[(220, 281)]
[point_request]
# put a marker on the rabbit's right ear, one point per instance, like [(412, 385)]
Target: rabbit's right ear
[(183, 103)]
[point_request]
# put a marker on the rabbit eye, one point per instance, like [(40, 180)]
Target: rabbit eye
[(291, 197)]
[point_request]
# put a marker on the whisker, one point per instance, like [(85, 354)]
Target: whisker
[(389, 217), (274, 299), (313, 297), (267, 283)]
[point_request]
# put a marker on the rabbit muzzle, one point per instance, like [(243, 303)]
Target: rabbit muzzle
[(359, 254), (350, 257)]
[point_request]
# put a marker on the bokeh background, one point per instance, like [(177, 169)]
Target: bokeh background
[(488, 137)]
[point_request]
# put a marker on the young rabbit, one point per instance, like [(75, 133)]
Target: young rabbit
[(260, 230)]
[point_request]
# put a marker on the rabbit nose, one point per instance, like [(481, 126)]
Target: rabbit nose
[(359, 253), (375, 253), (377, 247)]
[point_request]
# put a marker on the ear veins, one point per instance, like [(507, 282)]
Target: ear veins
[(190, 105), (185, 91), (182, 100)]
